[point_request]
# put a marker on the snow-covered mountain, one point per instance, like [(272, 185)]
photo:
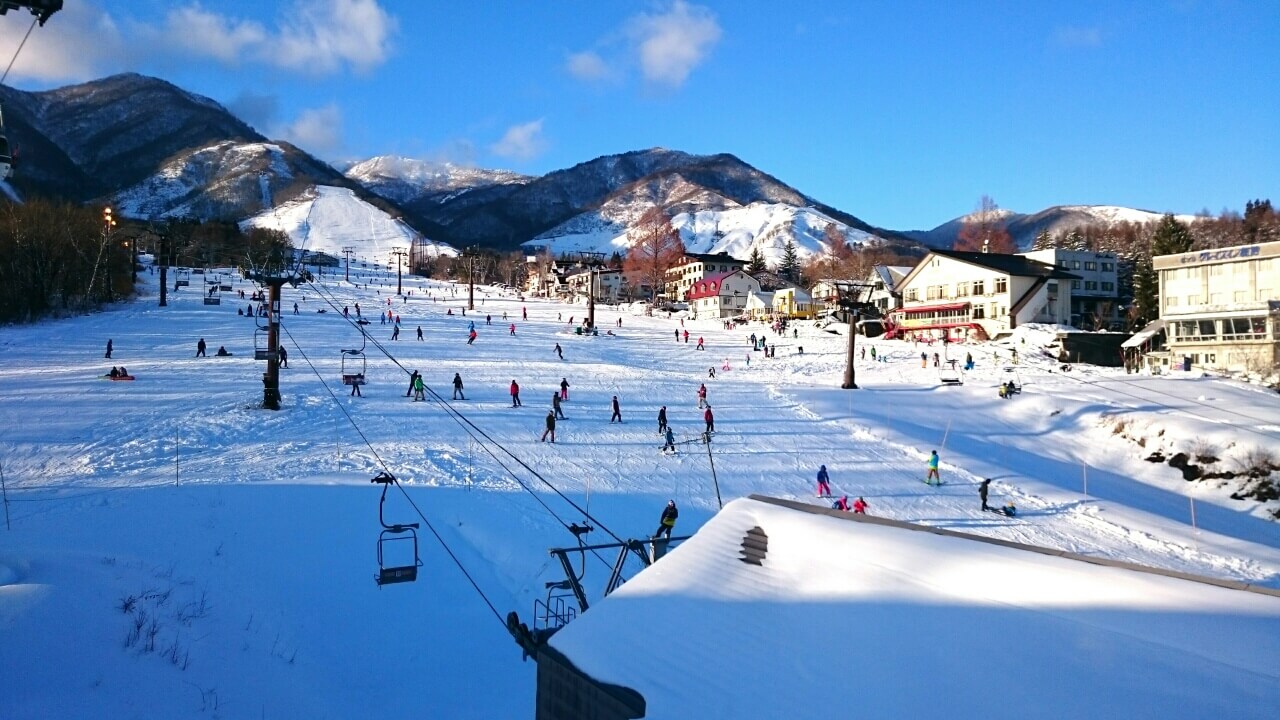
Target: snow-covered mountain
[(405, 180), (226, 180), (1057, 219), (327, 219)]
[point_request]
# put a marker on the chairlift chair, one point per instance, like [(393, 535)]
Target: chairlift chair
[(212, 297), (950, 376), (353, 373), (405, 535), (6, 157), (183, 278), (261, 351)]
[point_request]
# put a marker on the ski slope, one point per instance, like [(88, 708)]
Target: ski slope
[(248, 536)]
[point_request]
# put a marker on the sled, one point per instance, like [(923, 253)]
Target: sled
[(119, 377)]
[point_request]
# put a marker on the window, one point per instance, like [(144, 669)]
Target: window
[(977, 312), (1090, 265), (1108, 286), (912, 295), (1062, 264), (962, 289), (979, 288), (1238, 296), (1108, 267), (1075, 264), (1171, 301), (1002, 285), (1215, 298), (1075, 284), (1193, 299), (1091, 285)]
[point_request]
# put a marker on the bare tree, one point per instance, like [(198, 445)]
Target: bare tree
[(655, 248), (984, 230)]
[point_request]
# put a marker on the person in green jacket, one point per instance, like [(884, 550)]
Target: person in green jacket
[(419, 389)]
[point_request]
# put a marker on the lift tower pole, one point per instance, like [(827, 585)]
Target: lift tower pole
[(271, 378), (400, 255), (347, 251), (851, 302), (470, 254)]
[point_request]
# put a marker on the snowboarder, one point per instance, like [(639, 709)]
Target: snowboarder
[(982, 492), (515, 394), (551, 427), (617, 411), (860, 506), (222, 351), (419, 333), (670, 441), (457, 387), (559, 352), (200, 346), (668, 520), (710, 418), (284, 357), (555, 405), (824, 482), (841, 504), (108, 356), (413, 378), (662, 419), (702, 395), (700, 344), (933, 469), (564, 389), (968, 361), (419, 389)]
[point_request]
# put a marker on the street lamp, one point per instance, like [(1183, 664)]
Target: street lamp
[(108, 222)]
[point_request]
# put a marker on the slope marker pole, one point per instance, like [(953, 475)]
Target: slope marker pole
[(5, 490)]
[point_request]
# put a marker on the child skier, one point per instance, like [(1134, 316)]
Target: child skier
[(842, 503), (824, 482), (668, 520), (860, 506), (933, 469)]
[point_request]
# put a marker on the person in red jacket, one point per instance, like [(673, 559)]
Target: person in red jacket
[(711, 420), (860, 506), (702, 395), (515, 394), (700, 344), (841, 504)]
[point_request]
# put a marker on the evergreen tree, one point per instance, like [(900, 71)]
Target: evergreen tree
[(789, 268), (1146, 293), (1171, 237), (756, 263), (1075, 240), (1043, 241)]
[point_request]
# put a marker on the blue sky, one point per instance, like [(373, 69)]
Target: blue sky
[(901, 113)]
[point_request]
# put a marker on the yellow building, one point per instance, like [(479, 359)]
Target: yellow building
[(793, 303)]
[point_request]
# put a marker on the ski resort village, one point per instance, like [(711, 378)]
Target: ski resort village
[(309, 413)]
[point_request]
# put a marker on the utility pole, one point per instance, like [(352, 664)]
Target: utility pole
[(347, 251), (400, 255), (163, 257), (471, 277)]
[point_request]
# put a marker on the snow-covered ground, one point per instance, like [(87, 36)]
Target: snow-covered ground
[(248, 536)]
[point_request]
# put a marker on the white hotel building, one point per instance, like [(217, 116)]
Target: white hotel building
[(1221, 307)]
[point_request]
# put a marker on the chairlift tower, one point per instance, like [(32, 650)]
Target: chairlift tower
[(851, 302), (471, 254), (271, 378), (400, 254), (593, 261), (347, 252)]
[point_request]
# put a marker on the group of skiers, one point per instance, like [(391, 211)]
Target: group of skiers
[(860, 505)]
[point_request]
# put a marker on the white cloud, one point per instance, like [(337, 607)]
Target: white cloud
[(1074, 37), (521, 142), (80, 42), (192, 30), (323, 34), (672, 44), (587, 65), (316, 130)]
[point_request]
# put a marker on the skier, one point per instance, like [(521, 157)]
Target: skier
[(982, 492), (471, 337), (555, 405), (924, 359), (200, 346), (413, 378), (700, 344), (515, 394), (512, 329), (710, 418), (617, 411), (488, 319), (933, 469), (551, 427), (677, 335), (968, 361), (355, 390), (395, 334), (295, 308), (471, 325), (702, 395), (284, 357), (419, 389), (671, 441), (711, 373), (559, 352), (686, 336), (419, 333), (935, 359), (564, 389), (108, 356), (842, 503), (873, 352), (860, 506), (668, 520), (662, 419), (457, 387), (824, 482), (524, 313)]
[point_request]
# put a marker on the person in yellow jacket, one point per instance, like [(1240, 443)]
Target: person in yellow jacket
[(668, 520)]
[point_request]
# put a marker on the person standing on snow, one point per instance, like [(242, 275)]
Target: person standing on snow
[(512, 330), (559, 352), (667, 522), (702, 396), (982, 492), (662, 419), (555, 405), (933, 469), (617, 411), (860, 506), (515, 394), (710, 418), (457, 387), (419, 389), (551, 427), (564, 389), (108, 356), (686, 336), (284, 357), (524, 313), (677, 335), (395, 333), (924, 359), (700, 347), (824, 482), (413, 376), (200, 346), (471, 337), (419, 333), (671, 441)]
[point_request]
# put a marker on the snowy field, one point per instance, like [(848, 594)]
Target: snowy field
[(177, 552)]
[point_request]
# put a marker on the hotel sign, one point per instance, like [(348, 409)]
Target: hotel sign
[(1217, 255)]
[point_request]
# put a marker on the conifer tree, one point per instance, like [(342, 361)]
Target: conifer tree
[(789, 268), (756, 263)]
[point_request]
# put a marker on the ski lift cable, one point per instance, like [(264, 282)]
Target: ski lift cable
[(381, 462), (472, 429), (19, 50)]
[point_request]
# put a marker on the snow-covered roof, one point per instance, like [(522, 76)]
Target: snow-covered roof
[(1144, 334), (903, 623)]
